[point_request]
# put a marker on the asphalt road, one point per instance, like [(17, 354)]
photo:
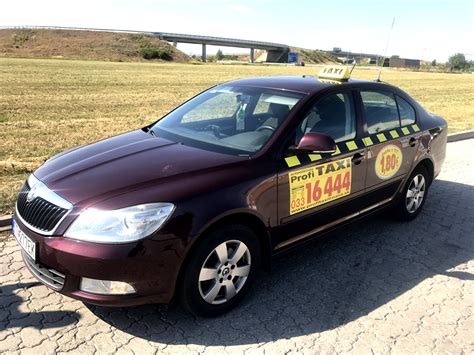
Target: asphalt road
[(379, 286)]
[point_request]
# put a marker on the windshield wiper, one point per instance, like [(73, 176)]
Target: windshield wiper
[(151, 131)]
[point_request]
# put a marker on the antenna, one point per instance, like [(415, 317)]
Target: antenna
[(353, 66), (385, 51)]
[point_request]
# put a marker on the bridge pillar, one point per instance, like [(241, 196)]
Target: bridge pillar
[(252, 55), (277, 55), (203, 58)]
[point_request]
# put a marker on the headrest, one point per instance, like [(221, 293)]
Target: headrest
[(279, 110)]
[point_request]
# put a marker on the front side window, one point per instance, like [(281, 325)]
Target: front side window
[(333, 115), (229, 119), (380, 110)]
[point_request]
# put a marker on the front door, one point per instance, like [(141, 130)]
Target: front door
[(316, 191)]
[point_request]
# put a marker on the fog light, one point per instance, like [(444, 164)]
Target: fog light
[(105, 287)]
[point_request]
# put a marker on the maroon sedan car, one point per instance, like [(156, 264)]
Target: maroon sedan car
[(192, 205)]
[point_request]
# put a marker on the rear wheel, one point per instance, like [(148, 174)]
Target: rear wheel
[(414, 194), (220, 271)]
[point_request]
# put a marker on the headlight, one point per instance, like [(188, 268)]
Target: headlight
[(119, 226)]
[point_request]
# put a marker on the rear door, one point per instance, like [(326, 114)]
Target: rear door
[(391, 137), (317, 191)]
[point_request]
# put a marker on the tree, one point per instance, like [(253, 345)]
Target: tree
[(219, 55), (458, 61), (433, 63)]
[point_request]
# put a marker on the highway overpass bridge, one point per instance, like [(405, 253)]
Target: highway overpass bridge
[(350, 56), (277, 53)]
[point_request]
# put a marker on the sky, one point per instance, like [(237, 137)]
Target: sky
[(423, 29)]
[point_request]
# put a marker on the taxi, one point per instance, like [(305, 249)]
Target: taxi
[(189, 207)]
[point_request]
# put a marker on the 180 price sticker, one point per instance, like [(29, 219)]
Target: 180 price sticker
[(388, 161)]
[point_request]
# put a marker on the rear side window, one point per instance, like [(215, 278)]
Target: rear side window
[(381, 111), (407, 112), (261, 107)]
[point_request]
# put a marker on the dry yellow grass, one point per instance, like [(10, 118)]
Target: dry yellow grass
[(47, 106)]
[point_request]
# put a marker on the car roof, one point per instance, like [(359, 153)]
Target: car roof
[(306, 84)]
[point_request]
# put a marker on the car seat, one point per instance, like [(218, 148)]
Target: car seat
[(332, 114), (278, 113)]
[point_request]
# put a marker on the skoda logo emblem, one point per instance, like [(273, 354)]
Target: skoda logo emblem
[(31, 195), (225, 272)]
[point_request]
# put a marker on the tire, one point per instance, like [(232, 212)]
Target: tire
[(210, 287), (413, 195)]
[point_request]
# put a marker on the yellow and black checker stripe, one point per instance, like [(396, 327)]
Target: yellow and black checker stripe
[(353, 145)]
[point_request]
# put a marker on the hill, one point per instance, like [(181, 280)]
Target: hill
[(307, 56), (310, 56), (72, 44)]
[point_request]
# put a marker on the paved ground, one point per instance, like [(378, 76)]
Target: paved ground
[(381, 287)]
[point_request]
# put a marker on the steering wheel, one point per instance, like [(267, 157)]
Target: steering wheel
[(261, 128), (215, 129)]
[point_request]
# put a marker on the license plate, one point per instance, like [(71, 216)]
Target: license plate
[(28, 245)]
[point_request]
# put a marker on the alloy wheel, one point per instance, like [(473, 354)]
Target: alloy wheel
[(224, 272), (415, 193)]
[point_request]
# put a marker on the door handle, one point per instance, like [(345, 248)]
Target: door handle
[(435, 132), (412, 141), (357, 158)]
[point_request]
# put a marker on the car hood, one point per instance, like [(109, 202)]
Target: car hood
[(124, 163)]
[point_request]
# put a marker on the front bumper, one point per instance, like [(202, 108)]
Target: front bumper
[(150, 266)]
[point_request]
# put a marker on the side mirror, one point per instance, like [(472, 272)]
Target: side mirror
[(314, 142)]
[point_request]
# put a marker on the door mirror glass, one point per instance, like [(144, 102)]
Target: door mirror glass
[(314, 142)]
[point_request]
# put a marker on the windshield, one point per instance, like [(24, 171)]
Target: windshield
[(237, 120)]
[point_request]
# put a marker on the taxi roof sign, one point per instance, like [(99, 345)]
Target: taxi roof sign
[(335, 72)]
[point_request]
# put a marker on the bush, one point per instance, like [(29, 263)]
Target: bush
[(458, 61), (149, 51), (20, 38), (153, 52)]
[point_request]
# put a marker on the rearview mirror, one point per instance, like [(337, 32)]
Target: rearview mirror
[(314, 142)]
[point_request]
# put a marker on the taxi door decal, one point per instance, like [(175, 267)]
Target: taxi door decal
[(350, 146), (320, 184), (388, 161)]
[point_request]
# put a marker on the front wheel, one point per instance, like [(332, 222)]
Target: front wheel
[(414, 194), (220, 271)]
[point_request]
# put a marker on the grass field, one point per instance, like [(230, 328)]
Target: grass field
[(47, 106)]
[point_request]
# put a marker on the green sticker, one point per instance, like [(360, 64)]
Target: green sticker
[(292, 161), (315, 157), (351, 145), (367, 141), (405, 131), (337, 151), (381, 137), (394, 134)]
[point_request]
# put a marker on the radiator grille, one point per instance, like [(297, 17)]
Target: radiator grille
[(39, 213)]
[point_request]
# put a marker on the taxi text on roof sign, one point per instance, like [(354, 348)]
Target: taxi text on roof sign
[(335, 72)]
